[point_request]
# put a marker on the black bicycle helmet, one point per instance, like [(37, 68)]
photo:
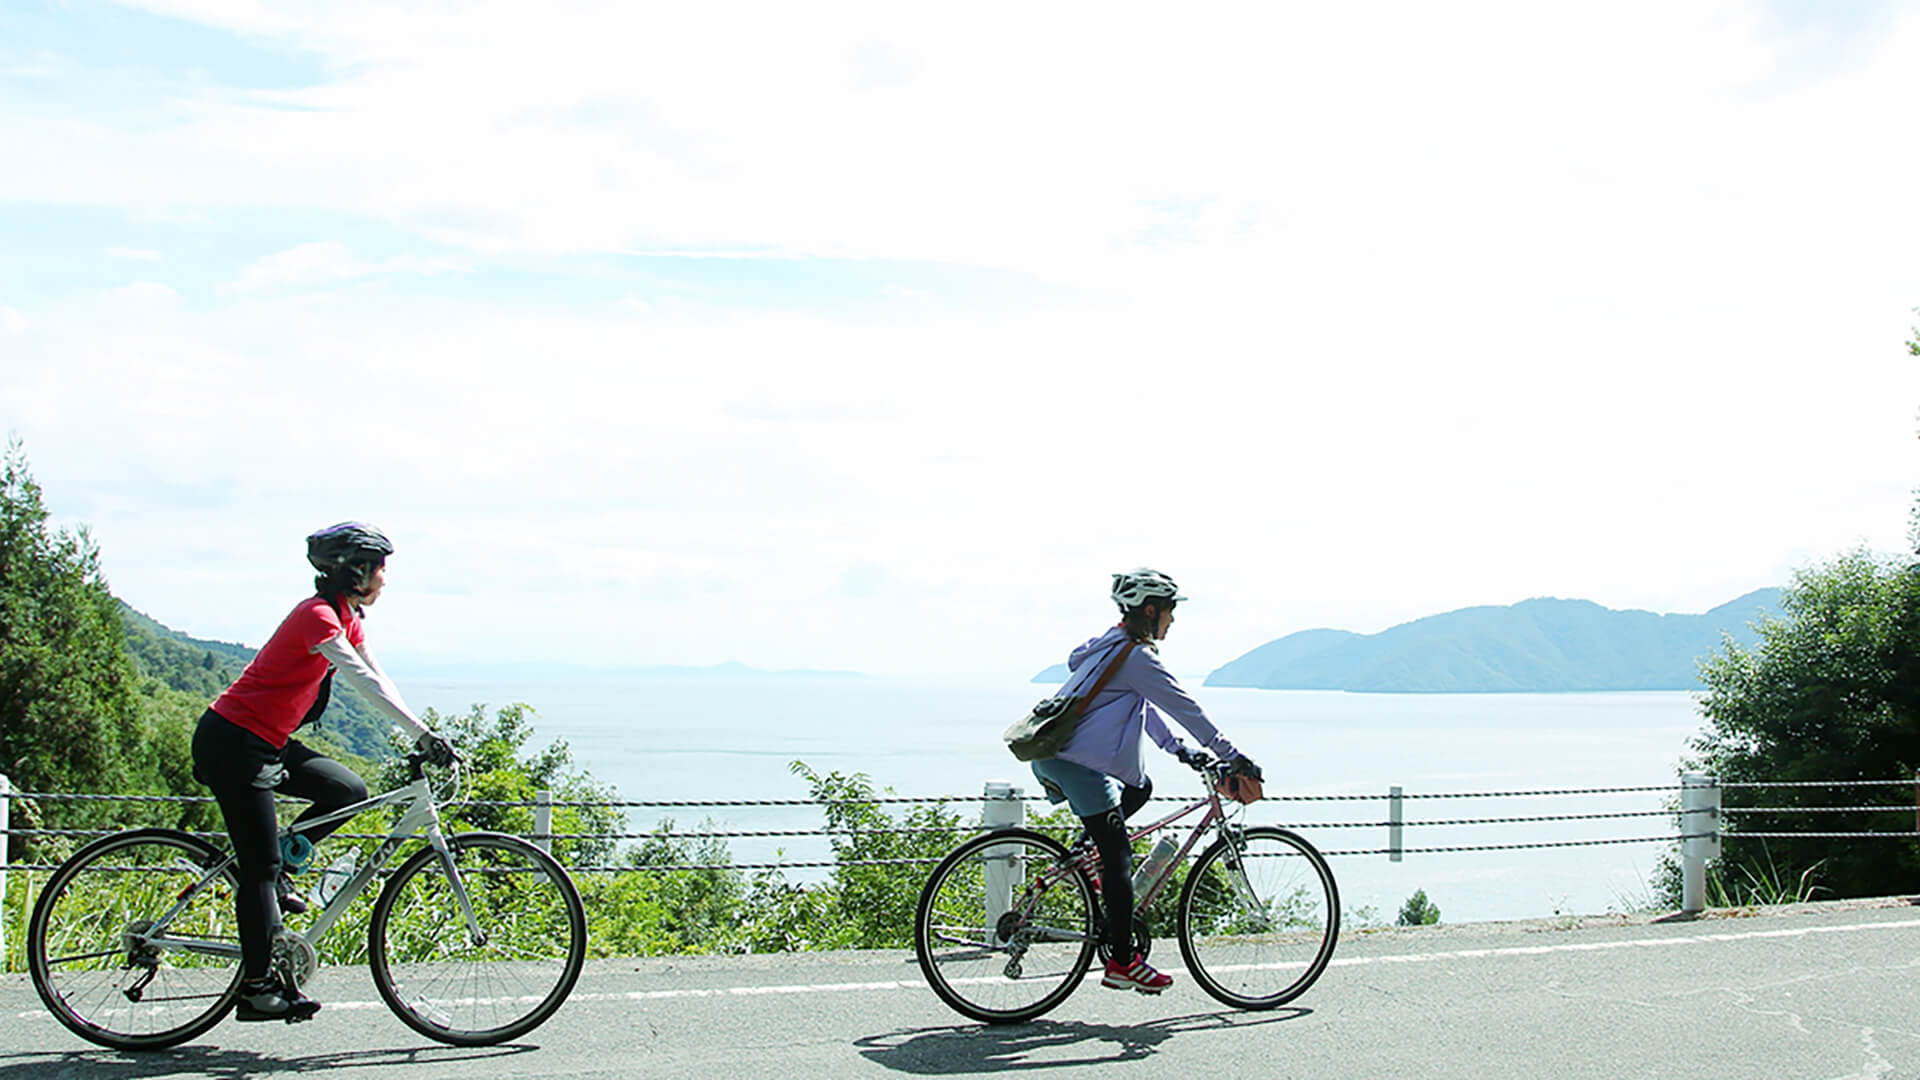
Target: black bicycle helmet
[(348, 544)]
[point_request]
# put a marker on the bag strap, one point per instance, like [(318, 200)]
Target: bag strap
[(1112, 666)]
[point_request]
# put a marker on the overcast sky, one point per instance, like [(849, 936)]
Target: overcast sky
[(877, 336)]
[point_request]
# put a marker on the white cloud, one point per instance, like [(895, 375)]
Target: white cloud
[(325, 262), (12, 322), (1392, 311), (145, 293), (727, 475), (624, 127)]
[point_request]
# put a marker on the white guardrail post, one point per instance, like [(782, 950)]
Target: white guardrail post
[(1396, 825), (1700, 824), (1003, 808), (543, 820)]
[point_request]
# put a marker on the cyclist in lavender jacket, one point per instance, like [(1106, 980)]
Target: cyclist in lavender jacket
[(1100, 773)]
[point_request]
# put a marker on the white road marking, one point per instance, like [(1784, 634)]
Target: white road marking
[(1353, 961)]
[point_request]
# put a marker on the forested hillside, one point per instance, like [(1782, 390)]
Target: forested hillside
[(1541, 645)]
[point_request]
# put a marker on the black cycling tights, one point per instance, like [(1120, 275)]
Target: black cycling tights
[(1109, 834), (244, 772)]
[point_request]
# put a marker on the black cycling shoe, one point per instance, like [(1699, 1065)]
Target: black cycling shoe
[(272, 999), (292, 902)]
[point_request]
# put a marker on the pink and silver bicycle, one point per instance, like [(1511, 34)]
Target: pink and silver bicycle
[(1009, 923)]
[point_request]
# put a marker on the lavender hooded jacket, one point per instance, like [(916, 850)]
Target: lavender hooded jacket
[(1141, 696)]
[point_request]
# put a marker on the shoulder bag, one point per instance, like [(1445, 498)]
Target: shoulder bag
[(1047, 728)]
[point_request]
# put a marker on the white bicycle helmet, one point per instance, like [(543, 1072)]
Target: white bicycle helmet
[(1142, 585)]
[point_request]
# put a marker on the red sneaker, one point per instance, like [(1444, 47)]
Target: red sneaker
[(1135, 975)]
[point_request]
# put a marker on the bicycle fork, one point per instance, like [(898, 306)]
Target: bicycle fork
[(445, 851), (1242, 888)]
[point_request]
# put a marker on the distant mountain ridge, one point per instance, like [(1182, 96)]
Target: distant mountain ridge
[(1539, 645)]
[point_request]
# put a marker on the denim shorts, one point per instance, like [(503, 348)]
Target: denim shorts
[(1089, 793)]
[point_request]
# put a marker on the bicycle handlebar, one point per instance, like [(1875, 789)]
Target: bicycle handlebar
[(417, 761)]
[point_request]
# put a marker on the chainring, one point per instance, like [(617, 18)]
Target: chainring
[(295, 957)]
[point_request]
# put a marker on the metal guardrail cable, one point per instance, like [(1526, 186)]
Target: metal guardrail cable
[(1340, 853), (1910, 782), (691, 867), (928, 799), (962, 829), (941, 799), (1883, 808), (765, 833), (1384, 796), (1542, 817), (674, 867), (1501, 847), (50, 796), (198, 834), (695, 803), (1908, 834)]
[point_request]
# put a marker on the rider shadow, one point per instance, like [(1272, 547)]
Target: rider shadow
[(1044, 1044), (218, 1064)]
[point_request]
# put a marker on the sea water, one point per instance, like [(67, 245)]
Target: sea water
[(712, 739)]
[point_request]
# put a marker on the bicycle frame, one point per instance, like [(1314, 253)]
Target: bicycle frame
[(1010, 922), (422, 815), (1215, 816)]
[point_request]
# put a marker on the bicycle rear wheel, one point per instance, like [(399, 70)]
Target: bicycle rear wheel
[(450, 984), (1258, 918), (103, 965), (1004, 931)]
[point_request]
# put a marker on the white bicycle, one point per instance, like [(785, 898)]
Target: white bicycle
[(475, 939)]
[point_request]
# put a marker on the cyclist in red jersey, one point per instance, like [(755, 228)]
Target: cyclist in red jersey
[(244, 749)]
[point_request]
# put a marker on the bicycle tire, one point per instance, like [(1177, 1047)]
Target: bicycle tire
[(1259, 959), (438, 980), (977, 960), (101, 984)]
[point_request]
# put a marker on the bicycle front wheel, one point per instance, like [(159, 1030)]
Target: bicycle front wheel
[(1258, 918), (107, 960), (1005, 929), (496, 978)]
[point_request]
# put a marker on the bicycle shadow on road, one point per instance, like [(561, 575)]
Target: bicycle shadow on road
[(1043, 1044), (221, 1064)]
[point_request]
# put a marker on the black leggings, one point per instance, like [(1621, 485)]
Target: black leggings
[(244, 770), (1109, 834)]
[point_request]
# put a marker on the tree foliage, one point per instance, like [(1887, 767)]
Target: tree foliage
[(504, 774), (70, 716), (1418, 911), (877, 874), (1831, 692)]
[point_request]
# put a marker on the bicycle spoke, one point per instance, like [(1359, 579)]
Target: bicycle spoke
[(102, 965), (453, 984), (1258, 919), (1003, 929), (52, 960)]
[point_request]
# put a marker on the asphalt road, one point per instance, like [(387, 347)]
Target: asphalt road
[(1821, 991)]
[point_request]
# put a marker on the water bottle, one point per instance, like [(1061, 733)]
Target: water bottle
[(336, 875), (295, 850), (1157, 861)]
